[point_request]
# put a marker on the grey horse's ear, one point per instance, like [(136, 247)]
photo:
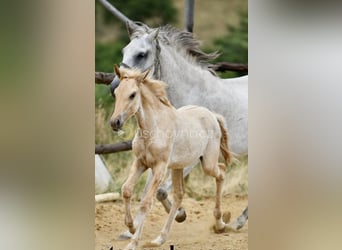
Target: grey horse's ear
[(117, 71), (153, 35), (143, 76), (131, 27)]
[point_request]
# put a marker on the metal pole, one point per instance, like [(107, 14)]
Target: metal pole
[(189, 15)]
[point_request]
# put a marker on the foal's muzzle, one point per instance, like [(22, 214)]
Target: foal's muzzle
[(116, 124)]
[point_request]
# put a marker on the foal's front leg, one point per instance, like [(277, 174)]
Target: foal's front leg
[(146, 203), (127, 190)]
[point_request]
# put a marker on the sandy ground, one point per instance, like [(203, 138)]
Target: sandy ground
[(195, 233)]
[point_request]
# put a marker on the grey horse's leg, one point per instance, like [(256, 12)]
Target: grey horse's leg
[(240, 221), (165, 188)]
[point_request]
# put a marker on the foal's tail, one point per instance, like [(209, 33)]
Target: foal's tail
[(224, 139)]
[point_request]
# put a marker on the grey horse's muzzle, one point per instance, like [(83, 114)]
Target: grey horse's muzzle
[(114, 84), (116, 81)]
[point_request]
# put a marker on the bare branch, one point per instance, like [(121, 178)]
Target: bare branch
[(115, 11), (113, 148), (228, 66), (189, 15), (104, 78)]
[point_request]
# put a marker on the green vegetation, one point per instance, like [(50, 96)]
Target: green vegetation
[(234, 45), (105, 57)]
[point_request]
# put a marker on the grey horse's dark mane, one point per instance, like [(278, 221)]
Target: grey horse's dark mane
[(183, 41)]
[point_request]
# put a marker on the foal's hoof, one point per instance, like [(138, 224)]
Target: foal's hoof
[(155, 243), (218, 231), (226, 229), (125, 236), (181, 215)]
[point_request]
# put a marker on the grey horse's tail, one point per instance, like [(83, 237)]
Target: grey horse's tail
[(224, 140)]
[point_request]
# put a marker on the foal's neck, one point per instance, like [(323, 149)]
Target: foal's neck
[(152, 112)]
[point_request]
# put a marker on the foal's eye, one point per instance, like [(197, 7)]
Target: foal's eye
[(131, 97)]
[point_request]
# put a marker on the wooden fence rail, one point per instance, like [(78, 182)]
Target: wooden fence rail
[(113, 148), (104, 78), (107, 78), (228, 66)]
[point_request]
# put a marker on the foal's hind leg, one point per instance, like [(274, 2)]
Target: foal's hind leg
[(212, 168), (220, 225), (165, 188)]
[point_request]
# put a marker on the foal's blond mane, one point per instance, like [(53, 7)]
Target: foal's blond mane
[(158, 88)]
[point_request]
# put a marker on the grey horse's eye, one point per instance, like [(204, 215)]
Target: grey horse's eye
[(141, 55)]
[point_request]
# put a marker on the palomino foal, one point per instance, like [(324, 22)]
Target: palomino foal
[(166, 138)]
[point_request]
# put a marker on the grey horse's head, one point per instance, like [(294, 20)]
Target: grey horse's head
[(141, 52)]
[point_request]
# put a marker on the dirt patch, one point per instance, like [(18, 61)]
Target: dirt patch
[(195, 233)]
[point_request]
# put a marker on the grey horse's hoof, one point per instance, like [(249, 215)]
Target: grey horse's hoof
[(181, 215)]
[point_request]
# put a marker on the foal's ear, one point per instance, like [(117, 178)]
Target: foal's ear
[(117, 71)]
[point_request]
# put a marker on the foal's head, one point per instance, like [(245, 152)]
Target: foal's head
[(127, 96)]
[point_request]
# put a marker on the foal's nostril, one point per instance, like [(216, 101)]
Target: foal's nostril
[(116, 124)]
